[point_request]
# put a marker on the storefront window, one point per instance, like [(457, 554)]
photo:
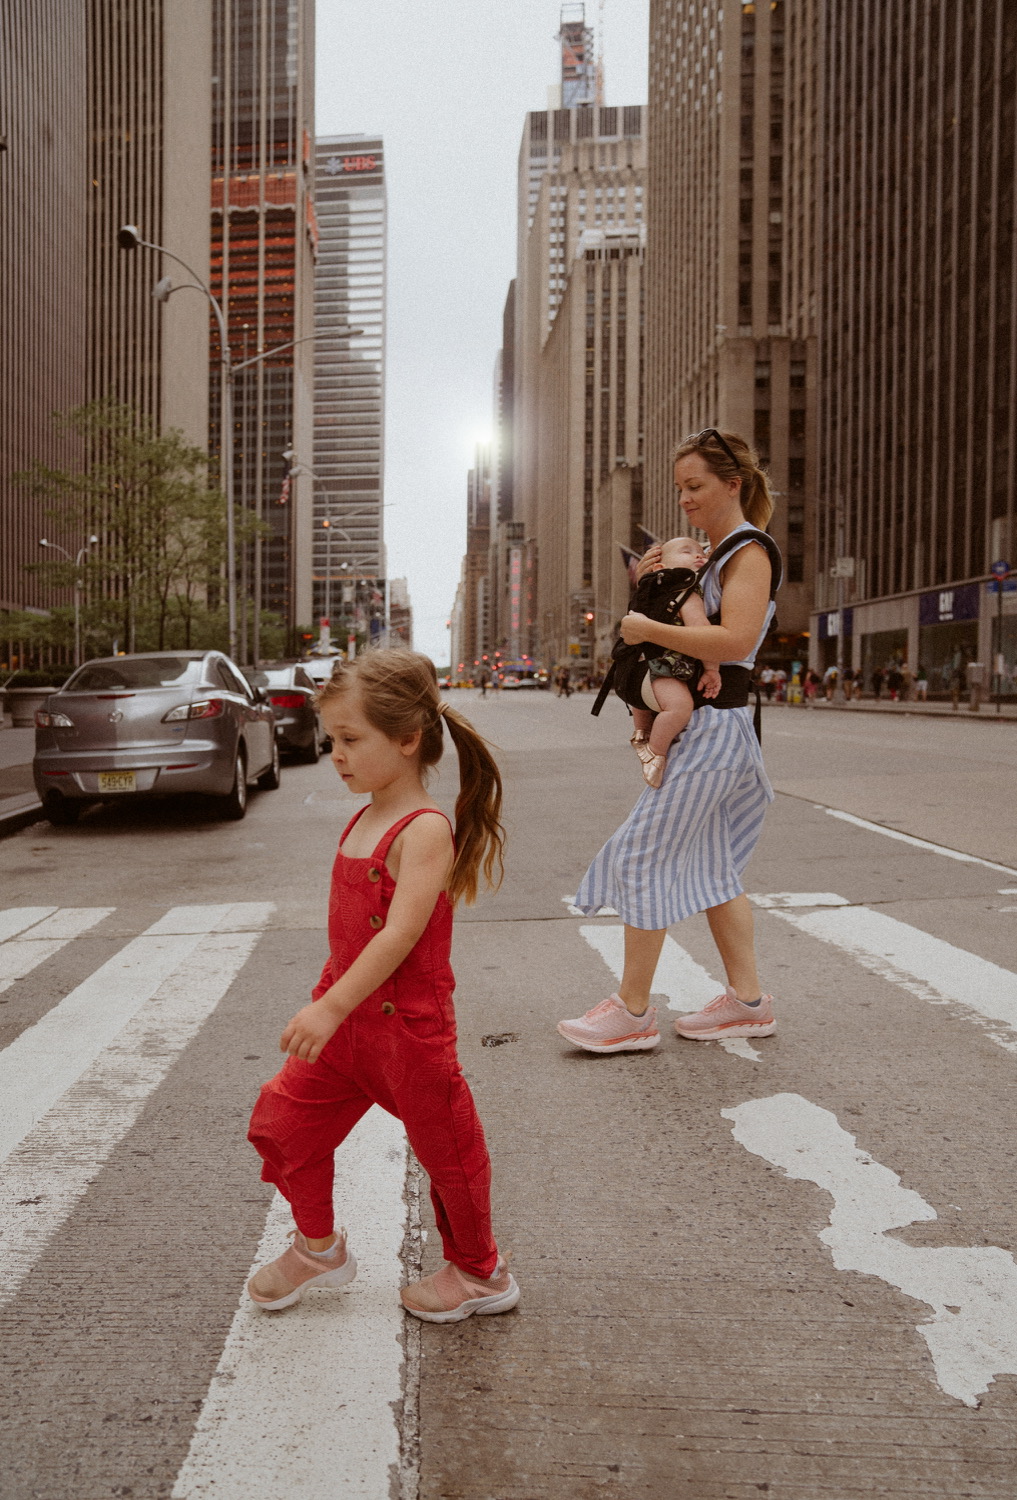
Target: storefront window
[(945, 649), (883, 648), (1008, 646)]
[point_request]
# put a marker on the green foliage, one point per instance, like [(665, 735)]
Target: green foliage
[(155, 580)]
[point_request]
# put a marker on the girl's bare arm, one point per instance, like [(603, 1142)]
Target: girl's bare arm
[(424, 864)]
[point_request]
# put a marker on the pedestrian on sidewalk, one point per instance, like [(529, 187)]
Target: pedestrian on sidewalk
[(921, 684), (380, 1028), (683, 848), (878, 678)]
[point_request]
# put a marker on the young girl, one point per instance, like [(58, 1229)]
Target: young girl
[(381, 1028)]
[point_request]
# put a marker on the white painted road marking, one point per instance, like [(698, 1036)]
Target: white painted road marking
[(924, 965), (972, 1335), (17, 918), (302, 1402), (45, 1176), (20, 955), (907, 838), (46, 1059), (687, 985), (799, 898), (574, 911)]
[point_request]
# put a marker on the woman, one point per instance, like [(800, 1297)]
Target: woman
[(683, 848)]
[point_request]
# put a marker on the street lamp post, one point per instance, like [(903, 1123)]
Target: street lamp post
[(92, 540), (129, 238)]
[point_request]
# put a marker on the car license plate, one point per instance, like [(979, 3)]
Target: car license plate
[(117, 781)]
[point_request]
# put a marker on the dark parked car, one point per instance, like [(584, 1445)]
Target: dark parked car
[(156, 724), (291, 691)]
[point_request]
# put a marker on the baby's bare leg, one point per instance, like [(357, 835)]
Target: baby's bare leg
[(675, 712), (643, 719)]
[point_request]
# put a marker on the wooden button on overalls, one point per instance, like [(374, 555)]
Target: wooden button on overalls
[(376, 922), (373, 875), (387, 1008)]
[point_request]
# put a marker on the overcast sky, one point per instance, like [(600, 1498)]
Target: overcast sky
[(447, 83)]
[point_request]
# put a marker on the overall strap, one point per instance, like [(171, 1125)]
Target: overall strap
[(355, 818), (390, 835)]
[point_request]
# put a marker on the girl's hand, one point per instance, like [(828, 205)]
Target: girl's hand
[(650, 562), (633, 628), (308, 1032)]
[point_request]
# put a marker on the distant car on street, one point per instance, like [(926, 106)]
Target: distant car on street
[(510, 680), (291, 692), (319, 668), (154, 724)]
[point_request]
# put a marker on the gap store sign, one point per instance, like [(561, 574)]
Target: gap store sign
[(944, 606)]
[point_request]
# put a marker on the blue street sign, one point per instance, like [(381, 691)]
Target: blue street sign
[(1002, 586), (1000, 569)]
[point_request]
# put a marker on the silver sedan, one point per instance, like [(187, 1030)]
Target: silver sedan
[(158, 724)]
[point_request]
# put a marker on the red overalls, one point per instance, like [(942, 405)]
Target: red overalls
[(397, 1049)]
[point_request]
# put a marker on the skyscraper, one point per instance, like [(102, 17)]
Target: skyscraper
[(349, 368), (731, 297), (105, 118), (264, 240), (919, 357)]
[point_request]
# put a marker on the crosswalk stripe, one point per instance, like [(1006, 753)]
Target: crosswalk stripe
[(46, 1174), (20, 955), (924, 965), (47, 1058), (687, 985), (302, 1402), (971, 1290), (18, 918)]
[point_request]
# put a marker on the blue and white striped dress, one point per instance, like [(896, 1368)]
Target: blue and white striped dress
[(683, 848)]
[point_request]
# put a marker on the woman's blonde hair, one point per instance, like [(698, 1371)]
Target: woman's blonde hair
[(400, 695), (755, 498)]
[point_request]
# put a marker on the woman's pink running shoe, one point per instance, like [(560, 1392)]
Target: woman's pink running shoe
[(284, 1281), (451, 1295), (728, 1016), (611, 1027)]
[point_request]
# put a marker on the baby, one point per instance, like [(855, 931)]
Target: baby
[(666, 691)]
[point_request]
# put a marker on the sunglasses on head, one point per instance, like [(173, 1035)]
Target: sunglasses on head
[(711, 432)]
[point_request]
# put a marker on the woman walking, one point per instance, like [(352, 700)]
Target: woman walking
[(683, 848)]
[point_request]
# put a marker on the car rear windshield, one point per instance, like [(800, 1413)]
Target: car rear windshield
[(137, 672), (273, 677)]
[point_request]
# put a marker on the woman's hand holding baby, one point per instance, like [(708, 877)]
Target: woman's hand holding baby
[(651, 561), (635, 627)]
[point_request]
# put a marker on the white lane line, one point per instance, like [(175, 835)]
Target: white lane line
[(799, 898), (575, 911), (972, 1335), (687, 985), (924, 965), (17, 918), (907, 838), (302, 1403), (46, 1175), (43, 1062), (20, 955)]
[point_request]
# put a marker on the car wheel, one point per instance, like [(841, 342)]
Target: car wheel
[(60, 810), (234, 805), (269, 780), (307, 755)]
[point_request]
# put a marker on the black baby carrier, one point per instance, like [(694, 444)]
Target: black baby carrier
[(630, 664)]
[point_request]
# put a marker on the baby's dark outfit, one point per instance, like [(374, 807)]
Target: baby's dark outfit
[(657, 596)]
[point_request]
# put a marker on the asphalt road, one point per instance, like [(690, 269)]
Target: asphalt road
[(780, 1269)]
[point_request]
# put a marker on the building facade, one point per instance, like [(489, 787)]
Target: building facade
[(349, 365), (581, 175), (731, 295), (472, 646), (264, 241), (106, 122), (919, 358)]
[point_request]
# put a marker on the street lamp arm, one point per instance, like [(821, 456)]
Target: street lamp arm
[(267, 353), (130, 239)]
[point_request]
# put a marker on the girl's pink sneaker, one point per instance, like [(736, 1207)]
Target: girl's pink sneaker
[(451, 1295), (284, 1281)]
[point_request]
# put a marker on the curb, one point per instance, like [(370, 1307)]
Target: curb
[(13, 822), (963, 716)]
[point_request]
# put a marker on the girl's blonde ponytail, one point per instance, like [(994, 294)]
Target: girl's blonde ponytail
[(480, 837)]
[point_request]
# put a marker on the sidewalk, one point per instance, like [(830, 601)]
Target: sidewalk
[(920, 710), (19, 804)]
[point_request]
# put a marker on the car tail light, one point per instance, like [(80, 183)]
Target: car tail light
[(286, 700), (43, 720), (205, 708)]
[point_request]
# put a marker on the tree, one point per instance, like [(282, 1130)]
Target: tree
[(156, 578)]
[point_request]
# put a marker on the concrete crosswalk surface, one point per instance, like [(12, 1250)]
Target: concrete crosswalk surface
[(781, 1267)]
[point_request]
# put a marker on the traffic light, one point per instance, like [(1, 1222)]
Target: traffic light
[(588, 617)]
